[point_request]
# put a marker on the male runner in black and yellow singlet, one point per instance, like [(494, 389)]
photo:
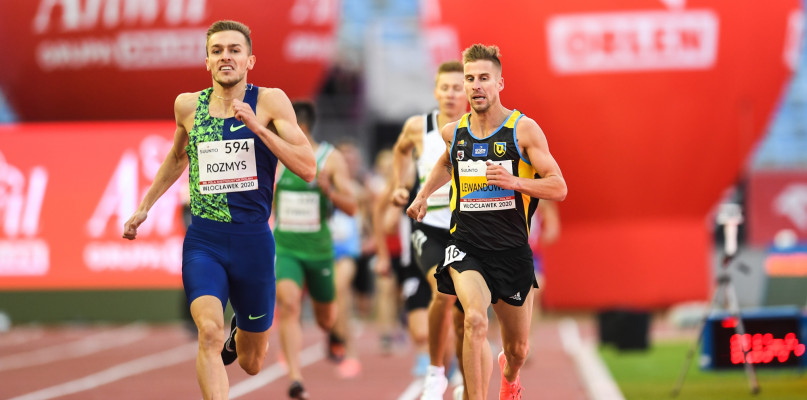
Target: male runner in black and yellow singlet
[(499, 165)]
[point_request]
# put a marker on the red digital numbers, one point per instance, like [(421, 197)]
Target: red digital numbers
[(763, 348)]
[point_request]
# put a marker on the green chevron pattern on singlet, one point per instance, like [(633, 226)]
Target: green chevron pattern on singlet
[(205, 129)]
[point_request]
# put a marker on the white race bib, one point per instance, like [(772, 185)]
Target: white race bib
[(298, 211), (227, 166), (453, 254), (442, 196), (476, 194)]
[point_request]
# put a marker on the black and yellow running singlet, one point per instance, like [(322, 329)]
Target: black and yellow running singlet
[(487, 216)]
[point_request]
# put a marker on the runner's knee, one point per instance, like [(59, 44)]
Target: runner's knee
[(516, 351), (211, 335), (287, 306), (252, 361), (442, 301), (476, 323), (326, 316)]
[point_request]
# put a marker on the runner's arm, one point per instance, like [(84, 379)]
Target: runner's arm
[(172, 167), (337, 184), (402, 158), (283, 136), (383, 225), (550, 185), (441, 173)]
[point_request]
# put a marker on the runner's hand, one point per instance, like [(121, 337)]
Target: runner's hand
[(130, 227), (417, 210), (243, 112), (498, 176), (400, 197)]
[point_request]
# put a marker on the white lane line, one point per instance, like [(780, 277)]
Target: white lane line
[(599, 383), (308, 356), (18, 336), (138, 366), (104, 340), (413, 390)]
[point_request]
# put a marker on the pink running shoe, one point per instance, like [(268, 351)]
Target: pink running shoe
[(509, 391), (349, 368)]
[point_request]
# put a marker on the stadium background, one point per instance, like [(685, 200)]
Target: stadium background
[(657, 111)]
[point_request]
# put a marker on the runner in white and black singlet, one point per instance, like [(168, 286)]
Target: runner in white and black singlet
[(421, 140)]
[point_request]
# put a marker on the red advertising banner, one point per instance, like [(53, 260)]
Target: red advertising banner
[(777, 202), (65, 192), (651, 108), (128, 59)]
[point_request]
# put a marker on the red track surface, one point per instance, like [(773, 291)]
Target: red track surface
[(34, 358)]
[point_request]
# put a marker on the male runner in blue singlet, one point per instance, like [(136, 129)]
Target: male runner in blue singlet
[(499, 165), (231, 136)]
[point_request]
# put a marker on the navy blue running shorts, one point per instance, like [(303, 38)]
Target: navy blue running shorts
[(235, 261)]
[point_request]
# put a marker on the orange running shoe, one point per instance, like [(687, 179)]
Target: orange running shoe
[(349, 368), (509, 391)]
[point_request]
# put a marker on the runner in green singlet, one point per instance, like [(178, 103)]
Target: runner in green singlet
[(304, 245)]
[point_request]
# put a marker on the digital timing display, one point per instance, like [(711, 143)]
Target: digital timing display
[(770, 341)]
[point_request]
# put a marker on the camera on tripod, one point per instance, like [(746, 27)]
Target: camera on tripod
[(724, 298), (730, 216)]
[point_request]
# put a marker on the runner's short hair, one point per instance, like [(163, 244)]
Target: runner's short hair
[(228, 25), (450, 66), (479, 52), (304, 110)]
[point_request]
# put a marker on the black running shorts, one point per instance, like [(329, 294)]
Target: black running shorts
[(509, 273), (429, 244)]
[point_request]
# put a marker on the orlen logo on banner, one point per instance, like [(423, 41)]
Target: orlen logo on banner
[(632, 41), (129, 49), (21, 252), (159, 239)]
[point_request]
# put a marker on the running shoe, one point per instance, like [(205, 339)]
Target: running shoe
[(349, 368), (297, 391), (228, 353), (509, 391), (385, 344), (458, 392), (336, 348), (421, 366), (435, 384)]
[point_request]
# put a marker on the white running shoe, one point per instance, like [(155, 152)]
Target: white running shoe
[(458, 392), (435, 383)]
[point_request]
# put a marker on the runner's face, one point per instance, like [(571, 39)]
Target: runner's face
[(483, 82), (228, 58), (449, 93)]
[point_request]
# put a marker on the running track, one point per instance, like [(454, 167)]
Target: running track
[(139, 361)]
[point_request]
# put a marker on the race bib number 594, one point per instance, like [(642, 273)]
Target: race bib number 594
[(227, 166)]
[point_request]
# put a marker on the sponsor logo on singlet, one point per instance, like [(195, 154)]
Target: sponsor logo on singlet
[(499, 148)]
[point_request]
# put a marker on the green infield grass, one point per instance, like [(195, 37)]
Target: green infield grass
[(652, 375)]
